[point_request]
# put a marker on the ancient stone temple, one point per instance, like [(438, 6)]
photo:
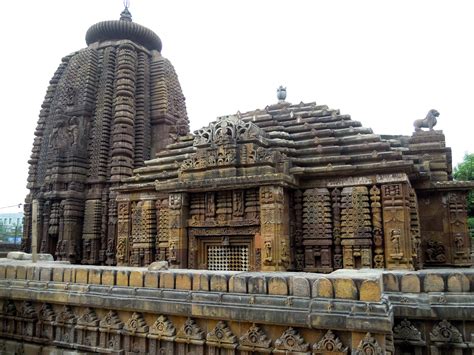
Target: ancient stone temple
[(290, 229), (295, 187), (108, 108)]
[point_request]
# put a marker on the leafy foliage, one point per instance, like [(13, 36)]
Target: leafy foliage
[(465, 171)]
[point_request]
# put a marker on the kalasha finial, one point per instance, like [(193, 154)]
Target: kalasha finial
[(126, 15), (281, 94)]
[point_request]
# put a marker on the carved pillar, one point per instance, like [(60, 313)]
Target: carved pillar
[(143, 233), (397, 221), (71, 229), (274, 216), (27, 229), (459, 240), (111, 230), (415, 231), (376, 208), (91, 232), (298, 230), (336, 213), (162, 229), (356, 230), (317, 230), (178, 240), (123, 233)]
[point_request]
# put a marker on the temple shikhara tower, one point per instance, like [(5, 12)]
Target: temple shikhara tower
[(108, 109), (289, 229)]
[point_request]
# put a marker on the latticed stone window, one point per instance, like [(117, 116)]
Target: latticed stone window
[(228, 257)]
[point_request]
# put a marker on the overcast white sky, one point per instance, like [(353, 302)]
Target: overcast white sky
[(386, 63)]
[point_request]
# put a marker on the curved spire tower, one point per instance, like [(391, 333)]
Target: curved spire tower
[(108, 108)]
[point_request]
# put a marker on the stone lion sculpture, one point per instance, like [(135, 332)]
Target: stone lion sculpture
[(428, 122)]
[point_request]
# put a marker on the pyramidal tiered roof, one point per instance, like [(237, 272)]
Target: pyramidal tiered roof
[(315, 141)]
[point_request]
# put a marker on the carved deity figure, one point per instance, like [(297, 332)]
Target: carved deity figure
[(395, 238), (459, 242), (172, 250), (268, 252)]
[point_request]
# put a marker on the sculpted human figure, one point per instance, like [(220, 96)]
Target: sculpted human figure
[(395, 237)]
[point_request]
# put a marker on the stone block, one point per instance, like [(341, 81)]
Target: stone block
[(108, 277), (277, 286), (136, 279), (122, 277), (58, 274), (410, 283), (433, 283), (11, 272), (345, 289), (184, 281), (31, 273), (219, 283), (301, 287), (257, 284), (167, 280), (370, 291), (21, 272), (458, 283), (323, 288), (3, 271), (201, 282), (390, 283), (69, 275), (46, 274), (152, 279), (82, 276), (238, 284), (95, 276)]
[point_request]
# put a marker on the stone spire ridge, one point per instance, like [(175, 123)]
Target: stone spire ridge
[(125, 15)]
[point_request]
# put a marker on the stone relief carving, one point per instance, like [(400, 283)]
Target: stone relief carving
[(330, 342), (227, 129), (291, 341), (406, 331), (254, 339), (368, 345), (445, 332)]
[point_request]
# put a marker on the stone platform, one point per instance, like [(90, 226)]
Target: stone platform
[(133, 310)]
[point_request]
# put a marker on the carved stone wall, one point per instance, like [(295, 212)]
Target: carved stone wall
[(397, 226), (444, 233), (317, 230), (274, 217)]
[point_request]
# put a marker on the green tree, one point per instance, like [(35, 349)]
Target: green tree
[(465, 171)]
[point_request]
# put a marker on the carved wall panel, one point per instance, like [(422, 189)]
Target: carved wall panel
[(317, 230), (336, 212), (123, 233), (162, 230), (460, 242), (376, 207), (356, 227), (274, 217), (397, 226), (91, 233), (178, 239), (415, 231), (143, 233), (297, 222)]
